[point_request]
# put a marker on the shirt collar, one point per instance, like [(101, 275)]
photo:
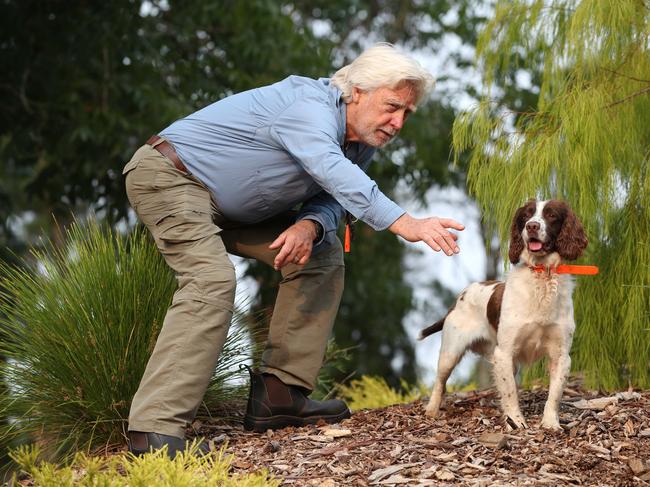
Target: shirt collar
[(341, 108)]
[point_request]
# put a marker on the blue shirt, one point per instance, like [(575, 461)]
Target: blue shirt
[(264, 151)]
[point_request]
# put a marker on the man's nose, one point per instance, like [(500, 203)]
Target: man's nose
[(532, 227), (397, 121)]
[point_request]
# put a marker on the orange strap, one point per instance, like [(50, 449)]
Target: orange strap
[(346, 245), (584, 270)]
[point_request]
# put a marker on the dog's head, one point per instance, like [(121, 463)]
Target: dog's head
[(540, 228)]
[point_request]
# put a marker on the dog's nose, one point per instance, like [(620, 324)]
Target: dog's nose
[(532, 227)]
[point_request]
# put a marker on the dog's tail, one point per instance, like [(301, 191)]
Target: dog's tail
[(430, 330)]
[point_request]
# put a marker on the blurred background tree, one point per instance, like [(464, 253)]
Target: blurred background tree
[(84, 84)]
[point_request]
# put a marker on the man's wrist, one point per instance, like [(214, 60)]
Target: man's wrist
[(397, 227), (318, 228)]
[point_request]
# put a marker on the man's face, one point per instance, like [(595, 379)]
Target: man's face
[(375, 117)]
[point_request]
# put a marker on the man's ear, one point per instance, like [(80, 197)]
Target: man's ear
[(356, 95)]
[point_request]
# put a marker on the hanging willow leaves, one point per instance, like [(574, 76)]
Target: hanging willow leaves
[(587, 141)]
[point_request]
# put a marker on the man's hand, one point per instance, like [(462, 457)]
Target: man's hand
[(295, 244), (432, 231)]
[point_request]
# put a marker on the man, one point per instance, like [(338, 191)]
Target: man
[(228, 179)]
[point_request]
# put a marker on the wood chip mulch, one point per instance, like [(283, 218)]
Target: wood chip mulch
[(605, 442)]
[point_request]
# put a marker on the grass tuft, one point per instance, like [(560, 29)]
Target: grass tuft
[(78, 324), (371, 392)]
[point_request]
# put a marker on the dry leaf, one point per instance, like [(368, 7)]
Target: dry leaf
[(493, 440), (445, 474), (336, 432), (637, 466), (595, 404)]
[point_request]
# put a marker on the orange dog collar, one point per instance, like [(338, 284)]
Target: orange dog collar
[(582, 270)]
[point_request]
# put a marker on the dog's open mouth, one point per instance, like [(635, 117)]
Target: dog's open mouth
[(535, 245)]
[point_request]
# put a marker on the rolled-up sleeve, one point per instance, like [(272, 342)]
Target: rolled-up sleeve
[(307, 130)]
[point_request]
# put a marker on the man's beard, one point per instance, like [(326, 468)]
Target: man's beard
[(380, 137)]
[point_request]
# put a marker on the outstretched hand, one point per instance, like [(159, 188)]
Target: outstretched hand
[(295, 244), (432, 231)]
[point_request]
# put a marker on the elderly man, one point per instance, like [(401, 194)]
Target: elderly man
[(267, 174)]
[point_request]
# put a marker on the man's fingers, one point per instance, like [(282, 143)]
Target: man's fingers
[(281, 259), (450, 223), (278, 242), (292, 250), (450, 241), (444, 245), (443, 241), (445, 238), (431, 242)]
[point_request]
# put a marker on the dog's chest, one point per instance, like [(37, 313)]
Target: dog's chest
[(539, 312), (538, 298)]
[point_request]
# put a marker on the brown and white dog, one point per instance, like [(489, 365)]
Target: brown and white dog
[(522, 319)]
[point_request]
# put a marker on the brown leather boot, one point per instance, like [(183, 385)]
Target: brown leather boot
[(272, 405)]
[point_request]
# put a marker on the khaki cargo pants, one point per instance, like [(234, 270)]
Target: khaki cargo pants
[(185, 223)]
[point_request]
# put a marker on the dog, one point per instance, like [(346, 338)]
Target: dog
[(522, 319)]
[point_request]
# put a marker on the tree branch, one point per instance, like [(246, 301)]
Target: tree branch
[(626, 76), (629, 97)]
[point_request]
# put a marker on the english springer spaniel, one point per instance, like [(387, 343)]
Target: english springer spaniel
[(522, 319)]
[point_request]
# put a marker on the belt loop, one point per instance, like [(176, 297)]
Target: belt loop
[(155, 140), (166, 149)]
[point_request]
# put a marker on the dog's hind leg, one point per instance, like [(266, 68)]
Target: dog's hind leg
[(452, 349)]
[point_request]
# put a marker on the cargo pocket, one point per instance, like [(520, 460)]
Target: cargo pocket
[(130, 166), (208, 302), (136, 159), (185, 226)]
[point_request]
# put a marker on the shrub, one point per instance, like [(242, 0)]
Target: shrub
[(373, 392), (79, 323), (186, 470)]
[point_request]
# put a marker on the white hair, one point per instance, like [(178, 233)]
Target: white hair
[(382, 66)]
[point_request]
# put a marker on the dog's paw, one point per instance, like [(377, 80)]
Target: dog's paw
[(432, 412), (551, 424)]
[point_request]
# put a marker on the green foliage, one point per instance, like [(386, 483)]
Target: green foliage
[(587, 142), (376, 300), (335, 364), (186, 470), (83, 87), (80, 324), (371, 392)]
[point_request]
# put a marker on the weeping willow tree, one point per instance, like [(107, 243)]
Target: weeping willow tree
[(587, 141)]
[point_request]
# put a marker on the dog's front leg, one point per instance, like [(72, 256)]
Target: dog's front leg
[(505, 381), (559, 365)]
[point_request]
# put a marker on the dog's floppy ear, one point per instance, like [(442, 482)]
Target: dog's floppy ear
[(571, 241), (516, 241)]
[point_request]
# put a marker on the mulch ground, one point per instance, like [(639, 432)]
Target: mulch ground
[(605, 442)]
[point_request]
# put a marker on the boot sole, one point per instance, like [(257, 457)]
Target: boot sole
[(260, 425)]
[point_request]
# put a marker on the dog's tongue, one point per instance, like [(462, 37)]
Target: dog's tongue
[(534, 245)]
